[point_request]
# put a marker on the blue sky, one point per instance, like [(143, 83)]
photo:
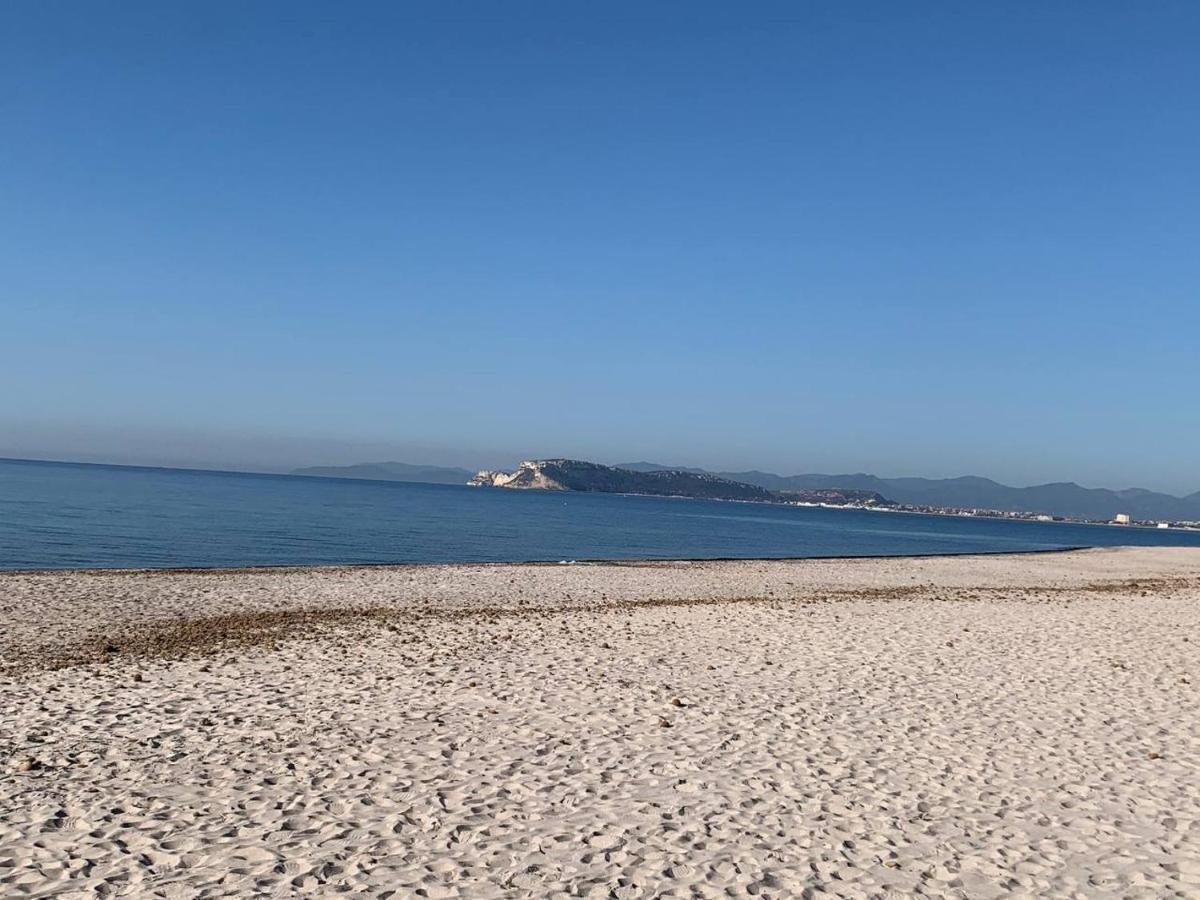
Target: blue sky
[(927, 238)]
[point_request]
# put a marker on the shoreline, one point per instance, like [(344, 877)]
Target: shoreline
[(618, 561)]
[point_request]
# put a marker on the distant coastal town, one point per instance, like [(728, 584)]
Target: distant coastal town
[(1118, 519)]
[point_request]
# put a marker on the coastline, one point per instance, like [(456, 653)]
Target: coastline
[(977, 725), (607, 561), (213, 521), (1007, 515)]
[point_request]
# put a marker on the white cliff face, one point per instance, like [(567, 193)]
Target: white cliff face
[(490, 478), (530, 474)]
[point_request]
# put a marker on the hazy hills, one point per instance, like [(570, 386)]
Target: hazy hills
[(1059, 499)]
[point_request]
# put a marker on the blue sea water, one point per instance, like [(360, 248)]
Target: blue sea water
[(56, 515)]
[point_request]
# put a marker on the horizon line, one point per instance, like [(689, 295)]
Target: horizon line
[(293, 473)]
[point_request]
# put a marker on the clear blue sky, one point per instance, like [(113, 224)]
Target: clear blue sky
[(918, 238)]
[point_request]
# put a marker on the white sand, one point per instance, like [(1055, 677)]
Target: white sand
[(970, 727)]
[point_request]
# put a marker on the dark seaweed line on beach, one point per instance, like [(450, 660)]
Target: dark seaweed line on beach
[(182, 638)]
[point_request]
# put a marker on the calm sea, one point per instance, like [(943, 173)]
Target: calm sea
[(55, 515)]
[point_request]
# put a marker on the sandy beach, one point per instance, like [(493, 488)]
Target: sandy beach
[(994, 726)]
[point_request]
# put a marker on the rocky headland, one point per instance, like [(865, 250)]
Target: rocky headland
[(578, 475)]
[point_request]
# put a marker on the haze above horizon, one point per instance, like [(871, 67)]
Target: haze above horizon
[(925, 240)]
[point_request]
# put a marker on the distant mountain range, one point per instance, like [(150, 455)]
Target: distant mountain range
[(392, 471), (1057, 499), (970, 492)]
